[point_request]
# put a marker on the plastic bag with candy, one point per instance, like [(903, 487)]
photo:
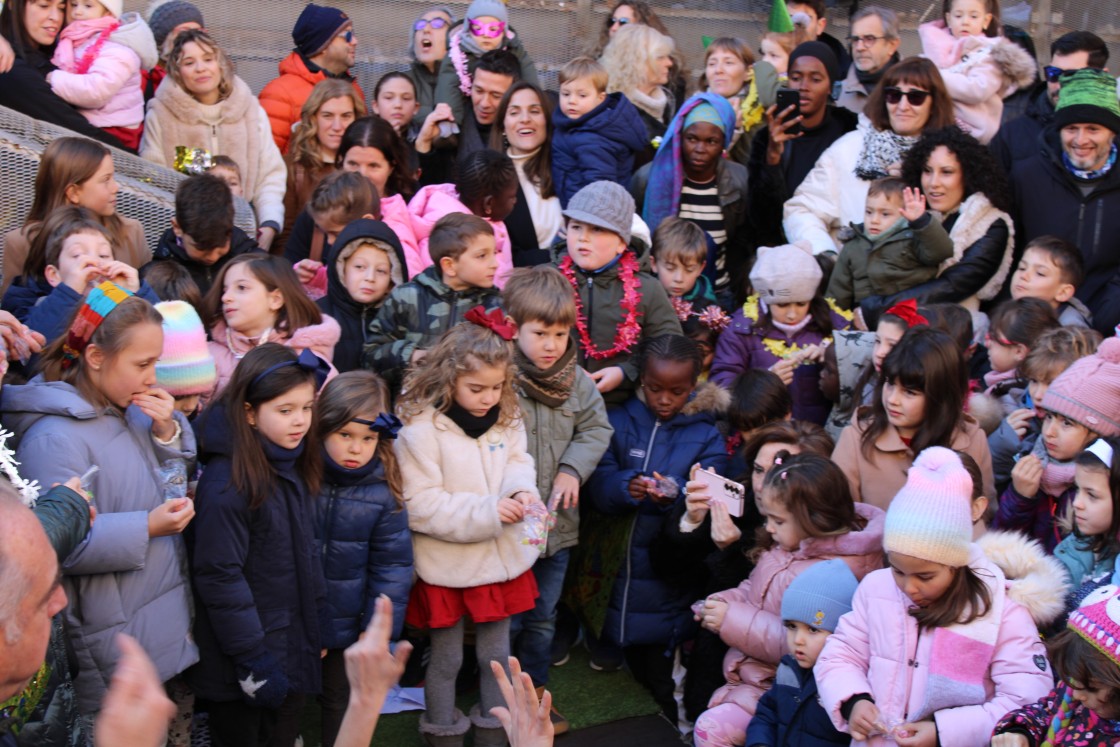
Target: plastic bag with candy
[(536, 525), (173, 478), (192, 161)]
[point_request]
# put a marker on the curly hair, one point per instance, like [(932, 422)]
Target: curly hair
[(204, 40), (979, 168), (630, 56), (304, 148)]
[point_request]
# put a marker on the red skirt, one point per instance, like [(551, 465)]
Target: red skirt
[(432, 606)]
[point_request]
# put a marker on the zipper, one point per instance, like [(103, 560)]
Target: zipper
[(327, 525), (1080, 224), (365, 327), (912, 663), (630, 540)]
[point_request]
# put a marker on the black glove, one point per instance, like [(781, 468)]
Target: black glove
[(262, 680)]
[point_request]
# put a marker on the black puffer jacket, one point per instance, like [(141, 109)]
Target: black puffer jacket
[(1018, 138), (203, 275)]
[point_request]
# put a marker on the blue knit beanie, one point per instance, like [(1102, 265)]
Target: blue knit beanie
[(316, 26), (820, 595)]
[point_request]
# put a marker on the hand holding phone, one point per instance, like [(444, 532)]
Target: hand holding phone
[(722, 490), (787, 97)]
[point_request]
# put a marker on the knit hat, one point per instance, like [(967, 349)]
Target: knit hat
[(164, 17), (820, 51), (185, 367), (1088, 392), (1088, 96), (1097, 620), (786, 274), (820, 595), (316, 26), (931, 517), (492, 8), (704, 112), (604, 204), (115, 7)]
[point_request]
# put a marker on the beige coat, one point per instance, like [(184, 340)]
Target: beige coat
[(134, 250), (876, 481), (452, 484)]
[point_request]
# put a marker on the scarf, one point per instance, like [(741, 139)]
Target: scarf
[(1057, 477), (78, 33), (881, 149), (653, 105), (789, 329), (473, 425), (666, 172), (1087, 175), (994, 378), (551, 387), (870, 80)]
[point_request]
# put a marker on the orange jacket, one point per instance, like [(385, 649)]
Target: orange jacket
[(283, 97)]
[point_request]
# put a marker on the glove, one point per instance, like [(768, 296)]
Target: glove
[(262, 680)]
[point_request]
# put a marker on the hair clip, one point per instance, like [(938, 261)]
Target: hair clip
[(493, 320), (386, 425), (777, 462), (307, 360), (97, 305), (785, 474), (907, 311)]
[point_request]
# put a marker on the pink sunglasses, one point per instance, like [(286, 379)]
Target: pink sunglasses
[(490, 30)]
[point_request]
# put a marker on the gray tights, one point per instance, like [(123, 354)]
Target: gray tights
[(491, 644)]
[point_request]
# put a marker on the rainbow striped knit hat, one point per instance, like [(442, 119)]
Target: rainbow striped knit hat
[(186, 367), (931, 517)]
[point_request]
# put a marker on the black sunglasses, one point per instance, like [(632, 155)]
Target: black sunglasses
[(1053, 74), (894, 95)]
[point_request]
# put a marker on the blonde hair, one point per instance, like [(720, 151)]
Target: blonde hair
[(630, 55), (204, 40), (585, 67), (787, 41), (304, 148), (464, 348), (539, 294)]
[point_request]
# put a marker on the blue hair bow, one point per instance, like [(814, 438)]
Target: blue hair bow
[(307, 360), (386, 425)]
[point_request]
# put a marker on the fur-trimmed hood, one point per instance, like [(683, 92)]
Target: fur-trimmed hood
[(708, 398), (1035, 580), (948, 52)]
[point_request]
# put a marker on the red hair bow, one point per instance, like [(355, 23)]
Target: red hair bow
[(907, 311), (494, 320)]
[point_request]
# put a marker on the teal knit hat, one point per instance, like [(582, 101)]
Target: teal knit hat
[(1088, 96)]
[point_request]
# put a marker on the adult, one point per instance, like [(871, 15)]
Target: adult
[(325, 46), (639, 60), (811, 15), (639, 12), (786, 150), (330, 108), (31, 28), (910, 99), (1071, 188), (874, 43), (523, 130), (204, 105), (967, 193), (167, 20), (690, 178), (427, 47), (1019, 138), (728, 72)]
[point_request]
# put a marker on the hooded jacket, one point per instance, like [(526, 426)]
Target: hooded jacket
[(354, 317), (118, 580), (432, 203), (203, 275), (598, 146), (878, 649), (282, 98)]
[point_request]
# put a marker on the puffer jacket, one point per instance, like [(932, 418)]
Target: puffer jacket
[(447, 84), (1081, 563), (598, 146), (432, 203), (746, 344), (789, 714), (753, 625), (365, 547), (282, 98), (878, 649), (119, 580), (643, 608), (204, 276), (1020, 138), (1058, 719)]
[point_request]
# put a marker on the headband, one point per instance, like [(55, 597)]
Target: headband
[(493, 320), (307, 360), (1101, 450), (97, 305), (386, 425), (907, 311)]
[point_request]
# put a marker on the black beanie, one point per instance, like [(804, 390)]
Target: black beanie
[(820, 51)]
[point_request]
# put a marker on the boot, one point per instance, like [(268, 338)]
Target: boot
[(488, 731), (560, 724), (438, 735)]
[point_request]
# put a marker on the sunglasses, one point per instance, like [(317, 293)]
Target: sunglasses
[(619, 21), (894, 95), (490, 29), (348, 36), (434, 23), (1053, 74)]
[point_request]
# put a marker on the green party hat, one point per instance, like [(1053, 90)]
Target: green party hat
[(779, 22)]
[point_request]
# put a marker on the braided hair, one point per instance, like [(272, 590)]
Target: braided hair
[(670, 347), (484, 173)]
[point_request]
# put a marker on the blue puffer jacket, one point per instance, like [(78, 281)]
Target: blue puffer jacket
[(366, 549), (644, 609), (790, 713), (50, 315), (599, 146)]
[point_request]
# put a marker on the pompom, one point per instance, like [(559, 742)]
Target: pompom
[(1110, 350)]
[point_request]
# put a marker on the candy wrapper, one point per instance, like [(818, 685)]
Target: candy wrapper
[(173, 478), (891, 728), (536, 525), (192, 161), (666, 486)]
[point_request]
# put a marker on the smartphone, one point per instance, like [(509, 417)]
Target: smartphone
[(788, 97), (722, 490)]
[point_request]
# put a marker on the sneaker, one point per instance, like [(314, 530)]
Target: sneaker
[(568, 633), (605, 658), (560, 725)]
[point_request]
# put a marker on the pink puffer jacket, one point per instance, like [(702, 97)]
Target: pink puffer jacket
[(394, 214), (754, 623), (432, 203)]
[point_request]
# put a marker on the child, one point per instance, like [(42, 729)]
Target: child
[(789, 713), (256, 299), (897, 246), (596, 135), (360, 524), (781, 328), (1089, 552), (416, 314), (704, 329), (918, 402), (485, 27), (982, 508), (99, 56), (486, 186), (257, 578), (658, 436), (937, 647), (95, 403), (1015, 328), (1052, 269), (568, 431), (365, 263), (810, 517), (202, 237), (470, 489), (1084, 708), (226, 169), (622, 304), (172, 281), (185, 368), (338, 200), (1080, 406), (980, 68), (678, 258)]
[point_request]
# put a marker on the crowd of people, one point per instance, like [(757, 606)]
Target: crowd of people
[(791, 387)]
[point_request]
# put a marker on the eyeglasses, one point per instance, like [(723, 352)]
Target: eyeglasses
[(348, 36), (434, 23), (915, 96), (490, 29), (866, 40), (1053, 74), (616, 21)]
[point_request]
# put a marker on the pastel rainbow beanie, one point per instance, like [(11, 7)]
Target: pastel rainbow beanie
[(186, 367), (931, 517)]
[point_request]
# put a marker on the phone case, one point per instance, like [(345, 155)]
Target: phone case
[(722, 490)]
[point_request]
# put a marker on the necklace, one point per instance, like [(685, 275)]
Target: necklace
[(629, 331), (237, 355)]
